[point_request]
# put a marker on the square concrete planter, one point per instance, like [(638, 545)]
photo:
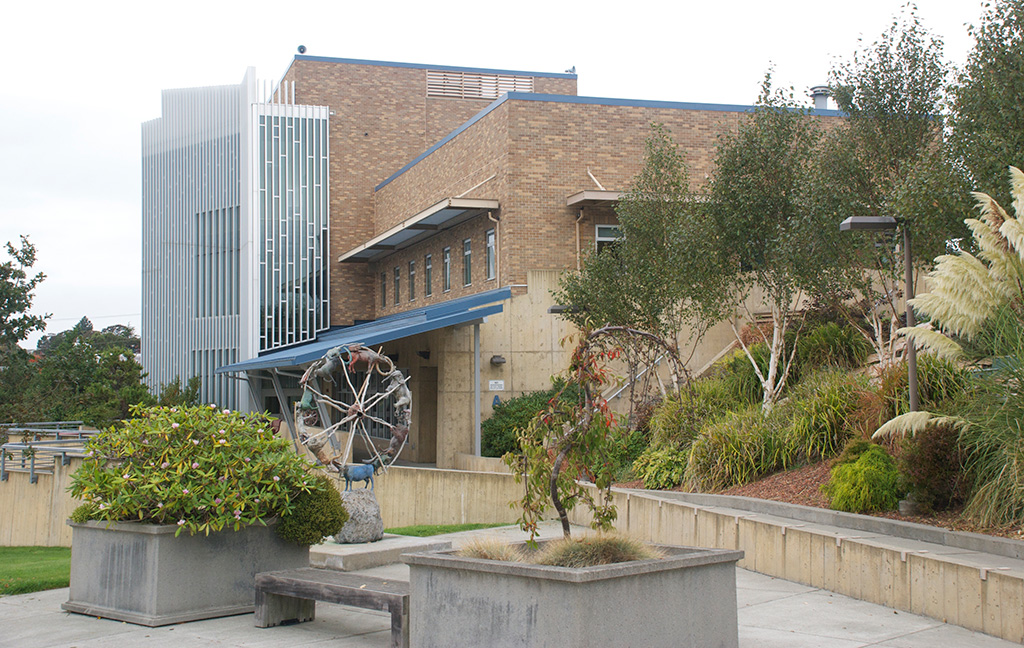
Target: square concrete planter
[(686, 599), (142, 574)]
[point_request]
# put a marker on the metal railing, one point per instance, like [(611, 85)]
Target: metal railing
[(46, 425), (39, 450)]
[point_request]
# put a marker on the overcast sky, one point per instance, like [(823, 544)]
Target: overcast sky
[(82, 77)]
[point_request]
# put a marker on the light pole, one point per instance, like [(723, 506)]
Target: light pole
[(883, 223)]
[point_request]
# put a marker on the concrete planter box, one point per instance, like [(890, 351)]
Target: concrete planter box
[(142, 574), (685, 599)]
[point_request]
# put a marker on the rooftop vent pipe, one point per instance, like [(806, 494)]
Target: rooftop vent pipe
[(820, 95)]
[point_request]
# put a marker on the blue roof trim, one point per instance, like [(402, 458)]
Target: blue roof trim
[(386, 329), (597, 101), (425, 66)]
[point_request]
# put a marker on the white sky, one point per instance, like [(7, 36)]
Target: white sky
[(81, 78)]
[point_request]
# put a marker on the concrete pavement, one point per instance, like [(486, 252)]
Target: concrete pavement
[(772, 613)]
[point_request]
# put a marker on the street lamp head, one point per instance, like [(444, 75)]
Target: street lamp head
[(868, 223)]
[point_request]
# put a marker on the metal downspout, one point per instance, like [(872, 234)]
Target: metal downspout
[(476, 389)]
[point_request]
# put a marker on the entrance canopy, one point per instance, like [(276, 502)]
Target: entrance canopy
[(457, 312)]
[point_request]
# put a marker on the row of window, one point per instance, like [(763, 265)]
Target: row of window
[(490, 265)]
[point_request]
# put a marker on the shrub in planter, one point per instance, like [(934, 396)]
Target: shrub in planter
[(662, 468), (199, 468), (931, 465), (871, 483), (679, 418), (178, 505), (318, 514)]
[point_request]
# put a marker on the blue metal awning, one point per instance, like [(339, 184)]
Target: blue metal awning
[(462, 311), (441, 216)]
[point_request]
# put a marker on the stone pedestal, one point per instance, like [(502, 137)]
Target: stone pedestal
[(364, 520)]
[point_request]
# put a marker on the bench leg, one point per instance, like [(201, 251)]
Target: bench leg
[(399, 626), (274, 609)]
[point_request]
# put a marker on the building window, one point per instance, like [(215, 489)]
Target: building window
[(398, 284), (489, 256), (412, 281), (446, 269), (467, 262), (383, 289), (428, 272), (606, 235)]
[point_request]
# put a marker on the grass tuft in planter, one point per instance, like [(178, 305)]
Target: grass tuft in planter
[(594, 550)]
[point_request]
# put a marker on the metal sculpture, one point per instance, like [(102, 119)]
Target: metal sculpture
[(357, 414)]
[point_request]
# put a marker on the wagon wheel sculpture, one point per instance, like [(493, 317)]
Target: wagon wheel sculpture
[(357, 413)]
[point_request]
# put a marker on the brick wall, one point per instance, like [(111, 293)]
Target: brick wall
[(381, 119)]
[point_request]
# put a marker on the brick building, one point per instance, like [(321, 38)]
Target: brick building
[(456, 197)]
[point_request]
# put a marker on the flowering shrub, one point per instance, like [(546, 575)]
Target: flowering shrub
[(198, 467)]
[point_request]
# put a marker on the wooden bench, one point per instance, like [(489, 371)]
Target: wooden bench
[(291, 595)]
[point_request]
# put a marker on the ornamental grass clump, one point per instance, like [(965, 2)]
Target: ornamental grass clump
[(200, 468), (491, 549), (603, 549)]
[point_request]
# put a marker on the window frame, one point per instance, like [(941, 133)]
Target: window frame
[(490, 254), (467, 262), (601, 242), (446, 269), (398, 286), (428, 276)]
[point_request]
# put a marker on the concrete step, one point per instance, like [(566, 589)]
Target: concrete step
[(353, 557)]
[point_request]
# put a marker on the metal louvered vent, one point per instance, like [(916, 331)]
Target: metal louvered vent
[(474, 85)]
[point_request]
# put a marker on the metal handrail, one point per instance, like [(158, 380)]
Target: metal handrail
[(34, 452), (616, 392), (59, 425)]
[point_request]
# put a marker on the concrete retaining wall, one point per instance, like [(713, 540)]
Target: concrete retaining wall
[(971, 586), (979, 591), (480, 464), (35, 514)]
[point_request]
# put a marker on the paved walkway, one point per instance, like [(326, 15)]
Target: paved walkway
[(772, 613)]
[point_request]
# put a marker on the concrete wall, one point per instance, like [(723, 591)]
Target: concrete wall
[(978, 591), (35, 514)]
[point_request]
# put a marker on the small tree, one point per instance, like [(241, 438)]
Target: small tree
[(887, 158), (987, 112), (576, 439), (657, 276), (16, 296), (765, 236)]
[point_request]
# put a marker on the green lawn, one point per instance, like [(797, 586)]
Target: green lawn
[(30, 569), (423, 530)]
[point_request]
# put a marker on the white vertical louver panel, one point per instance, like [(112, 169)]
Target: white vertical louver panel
[(191, 197), (204, 243), (291, 194)]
